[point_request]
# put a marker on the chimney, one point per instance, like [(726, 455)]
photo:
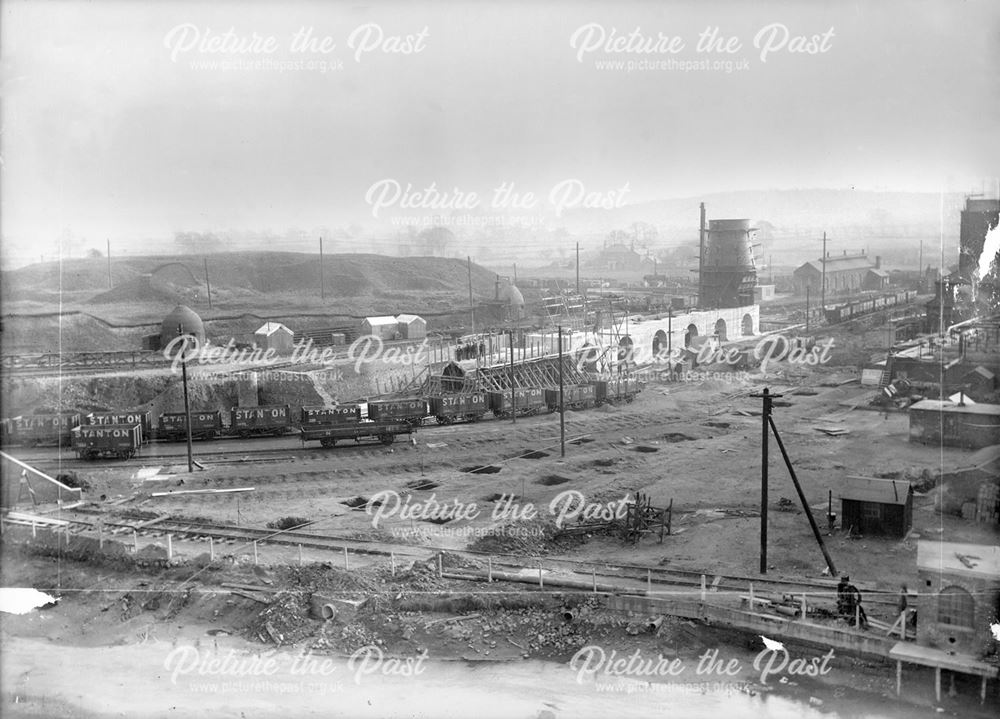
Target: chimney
[(878, 262), (845, 253)]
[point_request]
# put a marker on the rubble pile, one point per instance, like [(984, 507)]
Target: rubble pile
[(531, 538), (284, 621)]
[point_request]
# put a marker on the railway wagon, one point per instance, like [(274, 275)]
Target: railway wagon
[(412, 410), (575, 396), (120, 441), (143, 418), (613, 391), (324, 416), (204, 425), (256, 421), (527, 401), (329, 435), (43, 429), (448, 408)]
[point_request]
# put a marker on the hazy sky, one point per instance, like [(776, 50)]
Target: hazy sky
[(116, 125)]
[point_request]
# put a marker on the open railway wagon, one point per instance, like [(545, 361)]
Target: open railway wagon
[(204, 425), (273, 420), (412, 410), (143, 418), (468, 406), (575, 396), (527, 401), (321, 416), (42, 429), (119, 441), (328, 435), (615, 391)]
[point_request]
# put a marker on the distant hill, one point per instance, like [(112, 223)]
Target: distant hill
[(241, 276)]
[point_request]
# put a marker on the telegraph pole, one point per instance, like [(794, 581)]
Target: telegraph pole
[(578, 268), (208, 285), (322, 287), (562, 407), (187, 405), (513, 397), (807, 307), (472, 307), (765, 417), (823, 286), (109, 263)]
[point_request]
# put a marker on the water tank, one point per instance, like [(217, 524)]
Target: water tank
[(187, 320), (728, 274)]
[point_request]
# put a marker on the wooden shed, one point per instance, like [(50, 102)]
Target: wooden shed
[(385, 327), (875, 506), (935, 421), (274, 336), (411, 327)]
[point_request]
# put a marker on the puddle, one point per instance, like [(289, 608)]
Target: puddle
[(482, 469), (645, 448), (355, 502), (718, 425), (498, 496), (438, 520), (421, 485), (582, 440), (677, 437), (603, 463), (550, 480), (536, 454)]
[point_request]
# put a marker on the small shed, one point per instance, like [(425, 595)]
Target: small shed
[(980, 382), (411, 327), (276, 336), (875, 506), (934, 421), (959, 595), (876, 279), (385, 327)]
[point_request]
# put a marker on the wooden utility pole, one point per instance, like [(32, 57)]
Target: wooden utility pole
[(472, 307), (513, 397), (322, 287), (807, 307), (208, 285), (562, 406), (823, 285), (578, 268), (187, 404), (765, 416), (109, 263), (701, 254)]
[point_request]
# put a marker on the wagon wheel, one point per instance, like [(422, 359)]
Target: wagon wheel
[(387, 438), (328, 441), (210, 434), (244, 434), (443, 420)]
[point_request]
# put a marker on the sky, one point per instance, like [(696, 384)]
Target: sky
[(128, 121)]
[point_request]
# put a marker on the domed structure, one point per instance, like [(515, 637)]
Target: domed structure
[(509, 295), (187, 320)]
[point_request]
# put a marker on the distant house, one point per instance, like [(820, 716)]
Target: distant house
[(873, 506), (274, 336), (411, 327), (618, 257), (876, 279), (385, 327)]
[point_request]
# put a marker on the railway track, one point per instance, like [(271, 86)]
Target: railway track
[(648, 577)]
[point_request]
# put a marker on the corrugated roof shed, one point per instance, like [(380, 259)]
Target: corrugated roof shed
[(378, 321), (408, 318), (873, 489), (838, 264)]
